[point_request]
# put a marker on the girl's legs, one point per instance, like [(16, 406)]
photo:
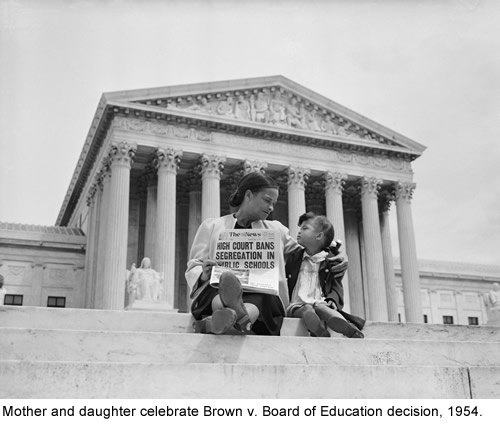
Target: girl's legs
[(313, 323), (336, 321)]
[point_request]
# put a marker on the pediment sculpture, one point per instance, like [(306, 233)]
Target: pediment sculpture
[(277, 108)]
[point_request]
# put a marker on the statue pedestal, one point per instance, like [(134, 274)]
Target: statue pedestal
[(494, 317), (142, 305)]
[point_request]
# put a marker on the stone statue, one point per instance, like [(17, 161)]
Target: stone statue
[(144, 283), (311, 122), (226, 107), (3, 291), (328, 126), (293, 116), (203, 106), (242, 108), (492, 302), (277, 110), (259, 108)]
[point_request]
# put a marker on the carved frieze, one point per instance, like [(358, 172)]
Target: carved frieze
[(343, 155), (273, 106)]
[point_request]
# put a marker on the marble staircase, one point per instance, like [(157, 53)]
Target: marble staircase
[(76, 353)]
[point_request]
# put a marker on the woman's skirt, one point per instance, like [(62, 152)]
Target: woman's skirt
[(270, 308)]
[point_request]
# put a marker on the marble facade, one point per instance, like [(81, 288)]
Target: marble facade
[(158, 161)]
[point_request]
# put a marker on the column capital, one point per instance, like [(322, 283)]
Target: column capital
[(297, 177), (404, 190), (335, 181), (253, 165), (385, 199), (167, 160), (370, 186), (121, 153), (211, 165)]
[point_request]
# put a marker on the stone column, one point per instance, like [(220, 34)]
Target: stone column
[(390, 279), (92, 234), (167, 162), (210, 167), (377, 298), (297, 179), (335, 213), (151, 199), (353, 250), (104, 180), (408, 253), (193, 187), (115, 255)]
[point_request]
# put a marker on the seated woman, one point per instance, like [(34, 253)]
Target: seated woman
[(223, 309)]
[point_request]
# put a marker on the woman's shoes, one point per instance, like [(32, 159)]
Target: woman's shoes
[(231, 295), (233, 317), (220, 322)]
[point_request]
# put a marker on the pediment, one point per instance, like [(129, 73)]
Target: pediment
[(275, 103)]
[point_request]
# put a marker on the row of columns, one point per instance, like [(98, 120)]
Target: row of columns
[(108, 230)]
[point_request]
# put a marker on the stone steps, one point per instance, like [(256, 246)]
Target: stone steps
[(72, 353), (179, 348), (235, 381), (140, 321)]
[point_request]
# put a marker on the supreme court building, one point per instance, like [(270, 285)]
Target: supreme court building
[(156, 162)]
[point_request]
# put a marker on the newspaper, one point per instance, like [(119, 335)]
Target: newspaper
[(252, 255)]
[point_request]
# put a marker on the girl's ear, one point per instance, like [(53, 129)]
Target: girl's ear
[(248, 194), (320, 235)]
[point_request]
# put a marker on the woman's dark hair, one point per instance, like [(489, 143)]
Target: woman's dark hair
[(255, 182)]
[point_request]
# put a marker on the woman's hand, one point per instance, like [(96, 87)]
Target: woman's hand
[(337, 265), (207, 269)]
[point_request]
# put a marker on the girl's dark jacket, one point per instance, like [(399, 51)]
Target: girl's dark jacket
[(331, 286)]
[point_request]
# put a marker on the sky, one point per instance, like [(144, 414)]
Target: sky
[(429, 70)]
